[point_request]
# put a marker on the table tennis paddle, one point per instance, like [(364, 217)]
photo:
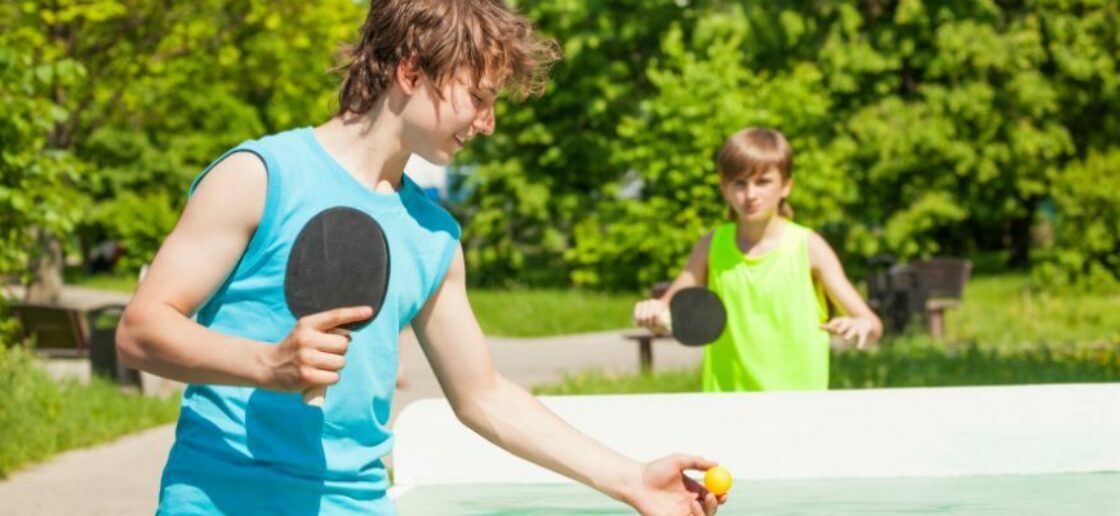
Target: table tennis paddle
[(340, 258), (696, 316)]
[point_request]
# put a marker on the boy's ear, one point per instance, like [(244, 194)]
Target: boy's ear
[(408, 76), (787, 187)]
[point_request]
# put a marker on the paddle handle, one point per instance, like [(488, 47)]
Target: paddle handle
[(317, 396)]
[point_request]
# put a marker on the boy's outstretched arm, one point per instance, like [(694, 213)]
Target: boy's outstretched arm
[(157, 334), (859, 324), (647, 313), (507, 415)]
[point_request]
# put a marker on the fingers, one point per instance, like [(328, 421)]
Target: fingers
[(334, 343), (312, 377), (711, 503), (647, 312), (330, 319), (863, 337), (316, 357), (684, 462), (663, 322), (696, 509), (322, 360), (848, 329)]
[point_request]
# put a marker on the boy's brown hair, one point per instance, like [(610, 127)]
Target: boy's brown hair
[(495, 46), (753, 151)]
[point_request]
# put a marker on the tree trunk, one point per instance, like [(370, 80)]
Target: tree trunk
[(46, 269), (1020, 233)]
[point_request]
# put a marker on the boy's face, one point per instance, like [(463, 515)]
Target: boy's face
[(757, 197), (436, 128)]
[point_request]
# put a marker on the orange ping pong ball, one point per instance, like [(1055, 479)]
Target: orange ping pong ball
[(717, 480)]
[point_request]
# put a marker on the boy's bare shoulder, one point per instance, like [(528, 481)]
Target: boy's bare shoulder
[(700, 250), (816, 241), (242, 167), (235, 187), (820, 252)]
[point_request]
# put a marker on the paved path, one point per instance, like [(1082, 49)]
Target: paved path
[(122, 478), (75, 297)]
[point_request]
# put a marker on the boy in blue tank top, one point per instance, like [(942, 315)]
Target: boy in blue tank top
[(422, 79)]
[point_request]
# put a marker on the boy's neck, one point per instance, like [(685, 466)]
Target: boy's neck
[(753, 233), (368, 146)]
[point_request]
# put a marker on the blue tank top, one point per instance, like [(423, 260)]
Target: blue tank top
[(241, 450)]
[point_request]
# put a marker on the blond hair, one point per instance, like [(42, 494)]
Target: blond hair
[(753, 151)]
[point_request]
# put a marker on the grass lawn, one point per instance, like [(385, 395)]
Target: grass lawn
[(1005, 332), (998, 311), (540, 313), (119, 283), (1004, 311), (40, 417), (910, 362), (502, 313)]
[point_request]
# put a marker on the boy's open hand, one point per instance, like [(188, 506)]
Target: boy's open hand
[(851, 330), (313, 353), (666, 490)]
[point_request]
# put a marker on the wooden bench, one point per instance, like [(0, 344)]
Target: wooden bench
[(923, 289), (58, 332), (645, 337), (63, 332)]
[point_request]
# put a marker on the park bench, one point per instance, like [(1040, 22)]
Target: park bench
[(644, 337), (63, 332), (919, 290)]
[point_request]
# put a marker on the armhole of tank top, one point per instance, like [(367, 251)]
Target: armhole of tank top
[(719, 235), (819, 295), (272, 199), (444, 263)]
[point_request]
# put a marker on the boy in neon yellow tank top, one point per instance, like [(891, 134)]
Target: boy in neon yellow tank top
[(773, 276)]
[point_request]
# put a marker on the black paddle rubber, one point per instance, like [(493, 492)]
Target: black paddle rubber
[(698, 316), (340, 258)]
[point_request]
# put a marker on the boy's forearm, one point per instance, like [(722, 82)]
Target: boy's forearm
[(513, 419), (162, 341)]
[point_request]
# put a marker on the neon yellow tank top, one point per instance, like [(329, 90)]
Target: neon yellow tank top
[(773, 339)]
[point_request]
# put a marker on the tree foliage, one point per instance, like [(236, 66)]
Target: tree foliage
[(918, 128), (129, 99)]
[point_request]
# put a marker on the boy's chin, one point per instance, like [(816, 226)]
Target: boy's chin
[(760, 216), (440, 157)]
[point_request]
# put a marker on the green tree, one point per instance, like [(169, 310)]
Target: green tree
[(35, 205), (919, 128), (164, 88), (548, 165)]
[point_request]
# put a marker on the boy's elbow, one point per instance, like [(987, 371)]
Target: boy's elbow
[(474, 406), (130, 346)]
